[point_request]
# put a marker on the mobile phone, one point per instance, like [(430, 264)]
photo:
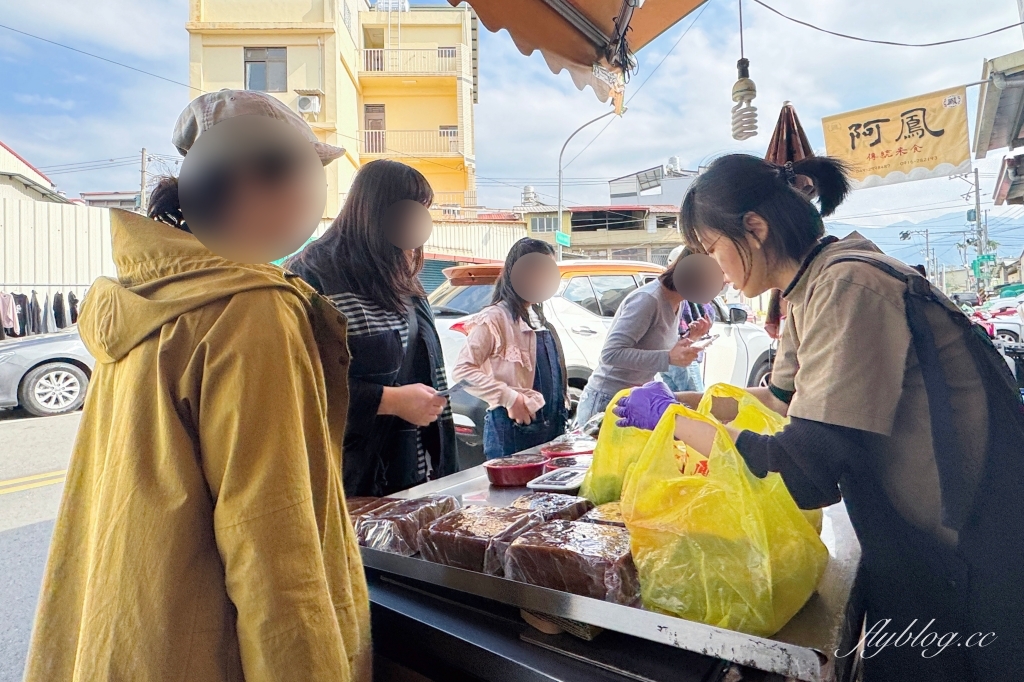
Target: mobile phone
[(461, 386), (704, 343)]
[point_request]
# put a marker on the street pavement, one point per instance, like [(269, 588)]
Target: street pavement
[(34, 454)]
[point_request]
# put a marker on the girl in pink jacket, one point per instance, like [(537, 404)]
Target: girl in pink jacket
[(513, 361)]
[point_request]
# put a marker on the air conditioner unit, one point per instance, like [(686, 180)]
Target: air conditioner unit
[(309, 104)]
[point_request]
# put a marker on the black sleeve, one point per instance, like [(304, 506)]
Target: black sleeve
[(810, 456)]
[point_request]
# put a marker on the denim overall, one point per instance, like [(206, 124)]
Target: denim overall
[(502, 436)]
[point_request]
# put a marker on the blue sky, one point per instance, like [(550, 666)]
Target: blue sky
[(59, 107)]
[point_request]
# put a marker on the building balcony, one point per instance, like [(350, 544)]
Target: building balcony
[(454, 205), (397, 143), (442, 61)]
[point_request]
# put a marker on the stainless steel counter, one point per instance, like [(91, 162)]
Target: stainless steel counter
[(804, 650)]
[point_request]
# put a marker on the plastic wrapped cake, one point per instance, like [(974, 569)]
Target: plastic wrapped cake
[(393, 527), (475, 538), (589, 559), (609, 514), (554, 505), (361, 505)]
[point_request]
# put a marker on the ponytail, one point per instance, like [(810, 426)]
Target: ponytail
[(831, 180), (164, 205)]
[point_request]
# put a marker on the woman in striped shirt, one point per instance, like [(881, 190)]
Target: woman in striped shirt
[(400, 431)]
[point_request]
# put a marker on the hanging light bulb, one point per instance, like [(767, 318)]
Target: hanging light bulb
[(744, 114)]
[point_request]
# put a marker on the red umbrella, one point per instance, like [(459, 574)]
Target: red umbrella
[(789, 144)]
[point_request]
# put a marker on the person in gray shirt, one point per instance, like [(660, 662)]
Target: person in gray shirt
[(642, 341)]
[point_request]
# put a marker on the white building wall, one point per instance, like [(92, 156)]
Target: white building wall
[(53, 247)]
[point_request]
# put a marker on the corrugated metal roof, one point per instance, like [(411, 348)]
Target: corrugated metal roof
[(665, 208), (18, 164), (499, 215)]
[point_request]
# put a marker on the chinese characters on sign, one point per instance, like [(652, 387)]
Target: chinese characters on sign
[(912, 124), (912, 139)]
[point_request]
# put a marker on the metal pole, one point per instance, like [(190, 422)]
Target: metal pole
[(558, 247), (981, 246), (927, 255), (142, 185)]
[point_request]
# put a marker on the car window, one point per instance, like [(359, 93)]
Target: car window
[(581, 293), (461, 300), (611, 290)]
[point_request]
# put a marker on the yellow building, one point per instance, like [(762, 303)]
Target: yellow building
[(391, 81)]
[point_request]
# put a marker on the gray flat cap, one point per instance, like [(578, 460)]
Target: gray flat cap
[(207, 110)]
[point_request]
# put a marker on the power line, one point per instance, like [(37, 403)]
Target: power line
[(649, 76), (885, 42), (62, 166), (96, 56)]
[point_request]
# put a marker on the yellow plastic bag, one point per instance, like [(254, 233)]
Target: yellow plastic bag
[(726, 548), (617, 448), (754, 416)]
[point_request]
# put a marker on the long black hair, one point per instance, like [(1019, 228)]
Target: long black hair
[(505, 294), (738, 184), (354, 254), (164, 205)]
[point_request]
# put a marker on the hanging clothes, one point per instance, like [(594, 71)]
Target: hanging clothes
[(9, 314), (59, 313), (22, 305), (49, 325), (73, 304), (35, 313)]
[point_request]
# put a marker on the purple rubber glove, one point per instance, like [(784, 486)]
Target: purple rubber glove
[(643, 407)]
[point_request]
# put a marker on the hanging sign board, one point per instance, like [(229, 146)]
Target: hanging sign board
[(911, 139), (562, 238)]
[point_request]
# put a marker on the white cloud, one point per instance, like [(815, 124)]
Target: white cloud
[(47, 102), (152, 30), (525, 112)]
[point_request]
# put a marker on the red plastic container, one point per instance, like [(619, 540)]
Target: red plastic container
[(515, 471), (574, 461), (584, 447)]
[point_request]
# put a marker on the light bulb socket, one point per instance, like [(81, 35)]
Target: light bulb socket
[(743, 68)]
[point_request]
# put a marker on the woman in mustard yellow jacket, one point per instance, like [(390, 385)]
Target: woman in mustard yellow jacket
[(203, 532)]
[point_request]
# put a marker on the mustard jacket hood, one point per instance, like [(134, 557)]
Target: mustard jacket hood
[(163, 273)]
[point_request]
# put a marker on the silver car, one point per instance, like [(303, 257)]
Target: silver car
[(45, 374)]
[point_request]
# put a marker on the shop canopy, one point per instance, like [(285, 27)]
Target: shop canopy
[(594, 40)]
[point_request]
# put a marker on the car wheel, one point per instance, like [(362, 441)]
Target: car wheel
[(54, 388), (1007, 336), (762, 375), (575, 391)]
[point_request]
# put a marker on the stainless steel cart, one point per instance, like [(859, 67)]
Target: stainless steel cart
[(813, 647)]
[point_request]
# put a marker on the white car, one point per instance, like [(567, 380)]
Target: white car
[(581, 313)]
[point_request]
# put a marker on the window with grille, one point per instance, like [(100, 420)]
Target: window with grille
[(544, 224), (266, 69)]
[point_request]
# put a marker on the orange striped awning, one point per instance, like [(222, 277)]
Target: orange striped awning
[(592, 39)]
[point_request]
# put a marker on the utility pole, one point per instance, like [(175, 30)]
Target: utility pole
[(558, 245), (142, 185), (977, 213), (927, 255)]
